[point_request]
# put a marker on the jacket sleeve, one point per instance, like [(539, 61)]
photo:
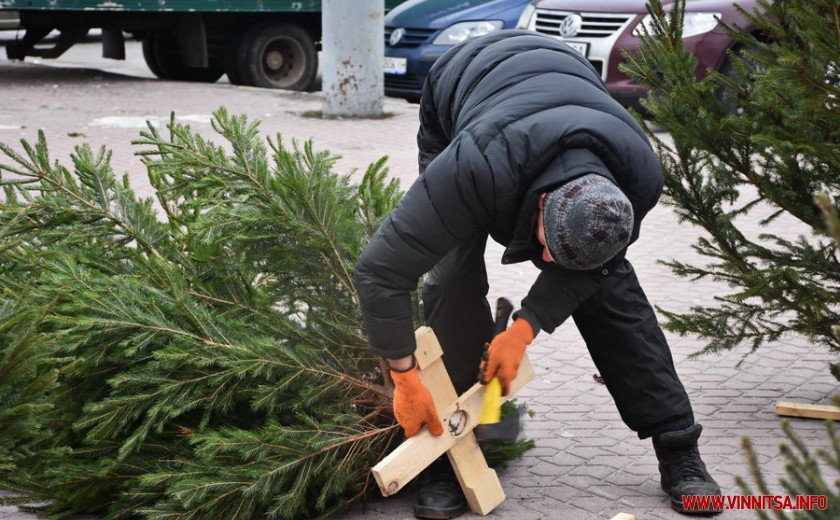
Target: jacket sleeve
[(434, 216), (555, 295)]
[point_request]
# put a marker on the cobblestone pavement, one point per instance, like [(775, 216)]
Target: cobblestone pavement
[(587, 464)]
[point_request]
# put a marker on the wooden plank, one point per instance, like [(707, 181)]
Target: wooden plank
[(481, 485), (410, 458), (812, 411), (428, 347), (431, 369), (623, 516)]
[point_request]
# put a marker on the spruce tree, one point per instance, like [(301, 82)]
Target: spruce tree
[(769, 126), (804, 475)]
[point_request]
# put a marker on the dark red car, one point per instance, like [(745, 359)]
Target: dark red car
[(600, 30)]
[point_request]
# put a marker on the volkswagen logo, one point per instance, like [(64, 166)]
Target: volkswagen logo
[(569, 27), (396, 36)]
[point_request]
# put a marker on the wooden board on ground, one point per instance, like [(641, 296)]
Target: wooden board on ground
[(811, 411)]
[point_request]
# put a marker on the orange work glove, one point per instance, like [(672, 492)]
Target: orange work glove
[(505, 354), (413, 405)]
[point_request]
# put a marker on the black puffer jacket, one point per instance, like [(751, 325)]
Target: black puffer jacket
[(504, 118)]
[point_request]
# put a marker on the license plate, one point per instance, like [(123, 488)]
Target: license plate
[(581, 47), (394, 65)]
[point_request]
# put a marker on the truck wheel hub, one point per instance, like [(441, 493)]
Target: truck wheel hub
[(274, 60)]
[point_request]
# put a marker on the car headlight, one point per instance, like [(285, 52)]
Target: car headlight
[(463, 31), (525, 19), (695, 23)]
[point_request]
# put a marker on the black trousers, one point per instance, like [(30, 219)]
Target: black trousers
[(617, 323)]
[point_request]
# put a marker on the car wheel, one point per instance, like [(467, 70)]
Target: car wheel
[(163, 57), (278, 55), (727, 96)]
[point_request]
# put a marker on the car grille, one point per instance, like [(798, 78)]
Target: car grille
[(411, 38), (595, 25), (402, 82)]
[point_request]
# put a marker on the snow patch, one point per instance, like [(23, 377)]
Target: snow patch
[(195, 118), (140, 121)]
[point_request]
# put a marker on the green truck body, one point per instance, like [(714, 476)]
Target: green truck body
[(204, 6), (264, 43)]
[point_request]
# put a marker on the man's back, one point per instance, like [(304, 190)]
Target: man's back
[(524, 100), (486, 74)]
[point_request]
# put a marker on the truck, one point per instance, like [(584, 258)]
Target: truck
[(263, 43)]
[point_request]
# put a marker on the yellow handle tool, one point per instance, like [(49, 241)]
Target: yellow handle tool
[(491, 411)]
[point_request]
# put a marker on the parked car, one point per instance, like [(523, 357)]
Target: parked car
[(418, 32), (602, 30)]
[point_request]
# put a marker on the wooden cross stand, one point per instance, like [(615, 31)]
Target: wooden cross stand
[(459, 415)]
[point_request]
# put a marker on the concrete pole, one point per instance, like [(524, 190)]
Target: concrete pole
[(353, 50)]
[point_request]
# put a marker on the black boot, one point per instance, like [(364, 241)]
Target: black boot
[(682, 470), (441, 497)]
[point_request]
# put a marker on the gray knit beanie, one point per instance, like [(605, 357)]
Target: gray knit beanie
[(587, 222)]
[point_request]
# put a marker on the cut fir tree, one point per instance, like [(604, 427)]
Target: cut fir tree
[(210, 364), (781, 145)]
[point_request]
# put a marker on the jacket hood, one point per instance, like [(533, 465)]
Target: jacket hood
[(566, 167)]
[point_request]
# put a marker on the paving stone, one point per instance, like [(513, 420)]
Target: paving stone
[(544, 469), (564, 458), (588, 452), (644, 468), (633, 447), (726, 449), (542, 451), (554, 439), (588, 470), (513, 490), (625, 479), (581, 482), (513, 508), (610, 461), (554, 509), (593, 503)]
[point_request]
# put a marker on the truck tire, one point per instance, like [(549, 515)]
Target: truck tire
[(163, 57), (278, 55)]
